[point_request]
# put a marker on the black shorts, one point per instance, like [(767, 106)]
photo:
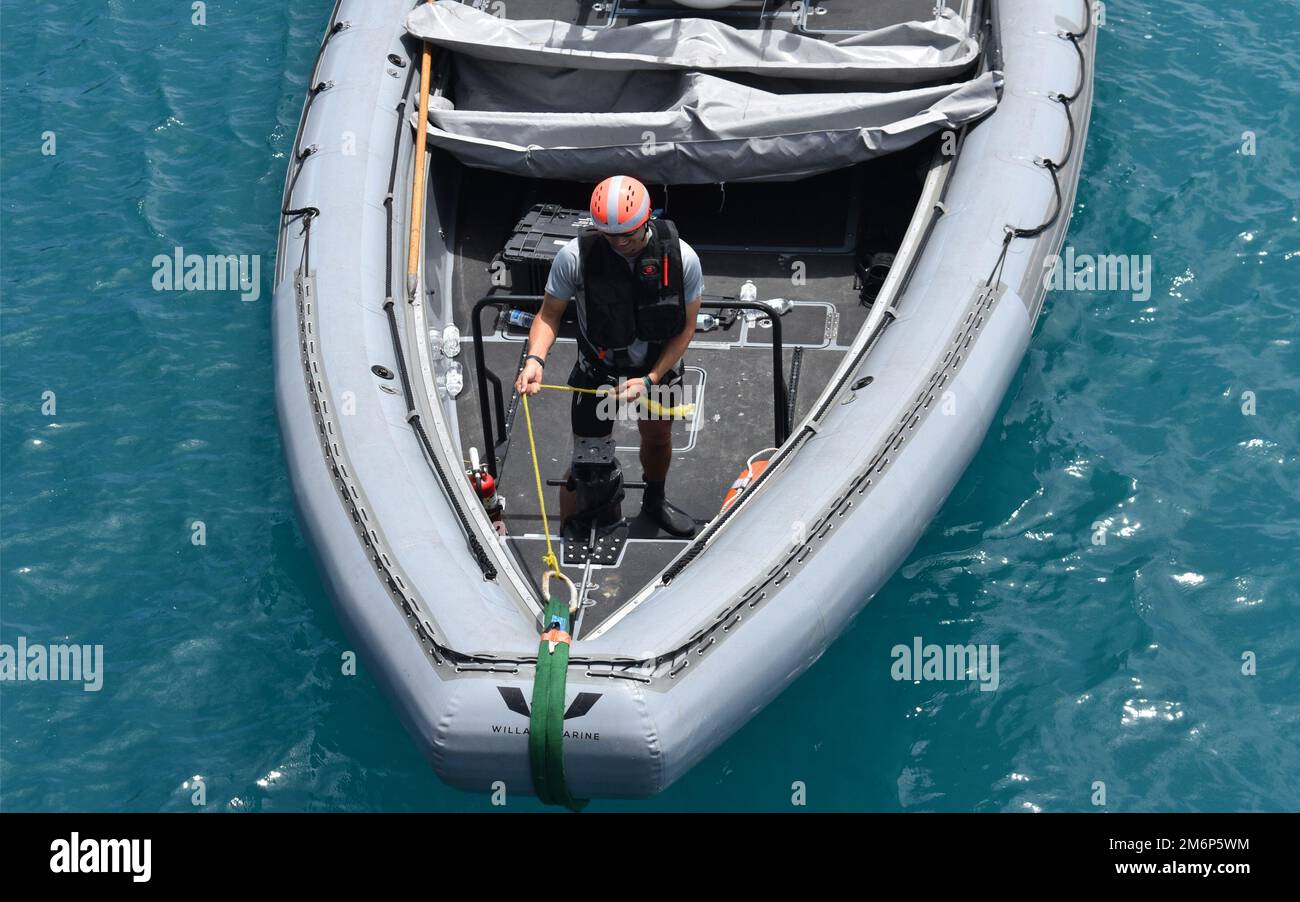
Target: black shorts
[(591, 415)]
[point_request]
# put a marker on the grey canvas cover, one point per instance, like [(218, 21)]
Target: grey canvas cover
[(905, 53), (693, 100)]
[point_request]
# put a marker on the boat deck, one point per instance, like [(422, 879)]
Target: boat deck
[(729, 371)]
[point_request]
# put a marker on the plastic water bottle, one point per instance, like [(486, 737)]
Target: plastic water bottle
[(520, 319), (454, 379), (450, 341), (705, 322), (748, 295)]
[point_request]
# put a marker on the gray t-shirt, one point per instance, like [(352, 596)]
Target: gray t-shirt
[(565, 282)]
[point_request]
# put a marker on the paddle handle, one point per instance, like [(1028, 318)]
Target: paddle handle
[(417, 187)]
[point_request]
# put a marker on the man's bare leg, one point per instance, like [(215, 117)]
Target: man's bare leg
[(656, 456), (656, 448)]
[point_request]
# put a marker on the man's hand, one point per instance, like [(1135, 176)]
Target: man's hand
[(631, 389), (540, 338), (530, 378)]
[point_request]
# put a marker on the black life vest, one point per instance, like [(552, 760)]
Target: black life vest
[(646, 301)]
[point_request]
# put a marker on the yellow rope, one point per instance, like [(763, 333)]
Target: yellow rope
[(585, 391), (550, 560), (678, 412)]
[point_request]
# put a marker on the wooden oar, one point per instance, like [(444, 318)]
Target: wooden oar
[(417, 189)]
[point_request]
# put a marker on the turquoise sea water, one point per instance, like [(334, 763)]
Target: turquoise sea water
[(1119, 663)]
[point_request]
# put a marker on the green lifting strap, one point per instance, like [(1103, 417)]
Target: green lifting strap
[(546, 720)]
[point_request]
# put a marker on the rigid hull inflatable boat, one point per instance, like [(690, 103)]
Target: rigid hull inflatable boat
[(874, 190)]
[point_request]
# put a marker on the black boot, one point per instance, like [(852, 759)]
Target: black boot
[(655, 506)]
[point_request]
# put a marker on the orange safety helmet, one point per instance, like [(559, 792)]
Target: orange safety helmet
[(620, 204)]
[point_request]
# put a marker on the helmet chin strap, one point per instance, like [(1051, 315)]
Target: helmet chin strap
[(639, 245)]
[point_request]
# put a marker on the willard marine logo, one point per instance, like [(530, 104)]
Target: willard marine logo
[(513, 696)]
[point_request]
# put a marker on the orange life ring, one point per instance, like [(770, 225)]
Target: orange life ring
[(743, 481)]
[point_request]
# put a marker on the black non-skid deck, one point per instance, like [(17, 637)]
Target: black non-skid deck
[(787, 246), (727, 376)]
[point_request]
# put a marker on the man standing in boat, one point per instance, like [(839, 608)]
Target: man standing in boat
[(638, 288)]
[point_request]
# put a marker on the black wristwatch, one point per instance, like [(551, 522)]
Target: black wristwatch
[(540, 361)]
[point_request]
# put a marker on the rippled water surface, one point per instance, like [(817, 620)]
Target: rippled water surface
[(1119, 662)]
